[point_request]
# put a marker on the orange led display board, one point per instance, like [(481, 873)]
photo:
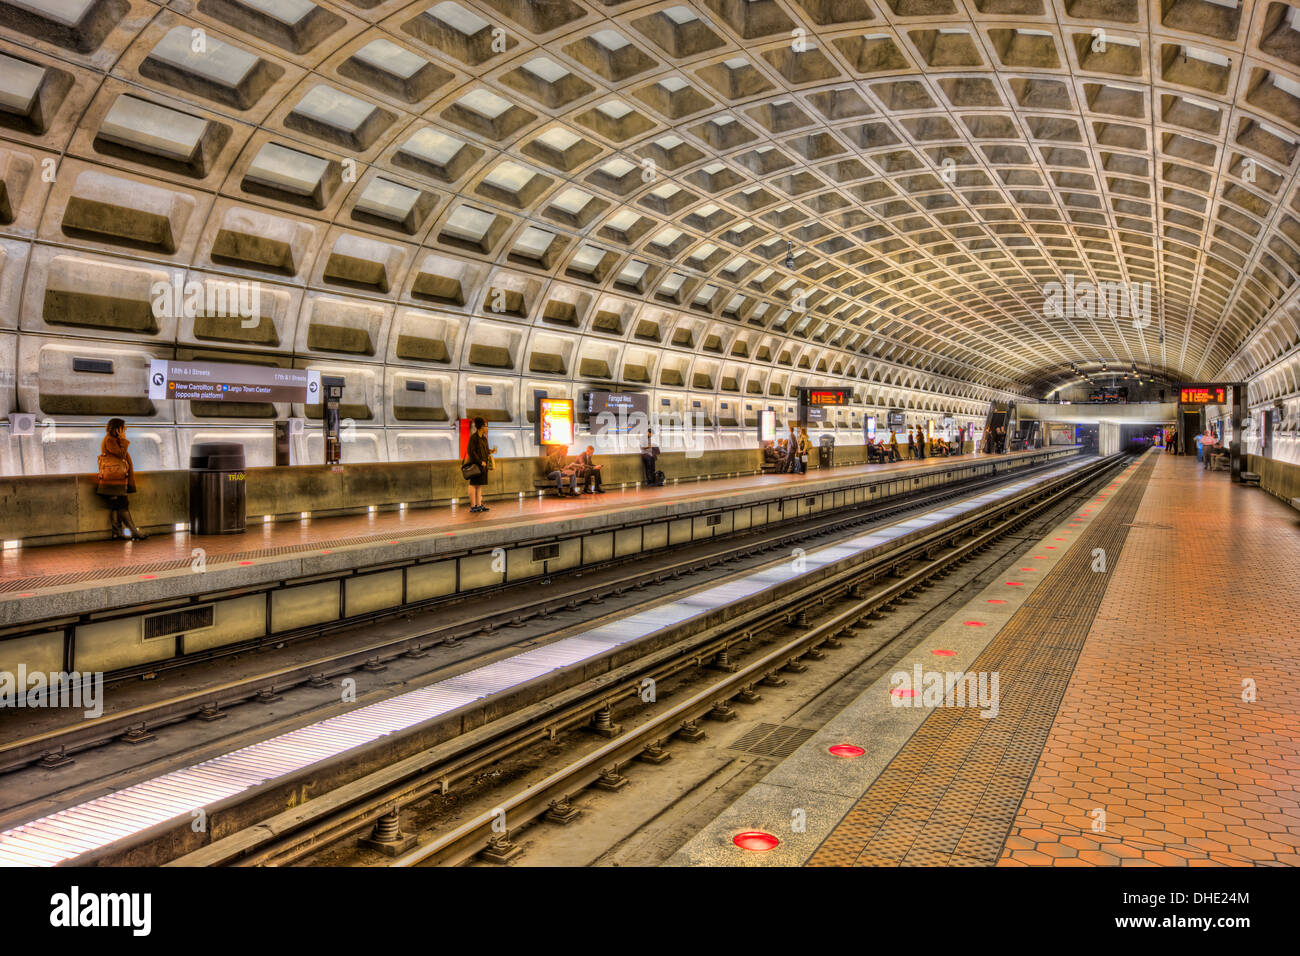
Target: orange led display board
[(826, 396), (1203, 395)]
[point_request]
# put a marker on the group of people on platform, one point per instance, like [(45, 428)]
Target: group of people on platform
[(789, 455), (582, 470), (995, 441)]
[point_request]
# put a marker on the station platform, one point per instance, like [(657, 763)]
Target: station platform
[(34, 568), (283, 577), (1132, 701)]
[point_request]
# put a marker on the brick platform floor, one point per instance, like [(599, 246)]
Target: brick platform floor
[(1153, 743), (950, 793)]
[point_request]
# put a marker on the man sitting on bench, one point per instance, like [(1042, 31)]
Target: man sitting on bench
[(556, 469), (590, 472), (649, 457)]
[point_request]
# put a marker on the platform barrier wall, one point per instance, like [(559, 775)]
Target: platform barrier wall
[(55, 509), (1280, 478), (58, 509)]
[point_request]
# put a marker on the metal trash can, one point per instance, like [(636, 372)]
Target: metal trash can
[(217, 491), (826, 452)]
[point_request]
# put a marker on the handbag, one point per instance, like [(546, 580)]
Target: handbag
[(470, 470), (112, 470)]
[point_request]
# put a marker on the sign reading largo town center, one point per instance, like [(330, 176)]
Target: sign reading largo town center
[(227, 382)]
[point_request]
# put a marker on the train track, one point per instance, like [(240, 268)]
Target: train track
[(566, 590), (840, 603)]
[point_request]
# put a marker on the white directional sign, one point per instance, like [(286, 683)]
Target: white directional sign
[(227, 382)]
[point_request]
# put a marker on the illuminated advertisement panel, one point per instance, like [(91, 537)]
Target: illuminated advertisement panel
[(554, 421), (871, 428), (767, 425)]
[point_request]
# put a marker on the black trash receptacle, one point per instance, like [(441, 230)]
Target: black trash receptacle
[(826, 452), (217, 495)]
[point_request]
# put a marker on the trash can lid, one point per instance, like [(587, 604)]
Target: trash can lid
[(217, 456)]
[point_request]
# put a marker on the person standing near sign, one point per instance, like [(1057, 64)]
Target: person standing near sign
[(475, 465), (116, 480)]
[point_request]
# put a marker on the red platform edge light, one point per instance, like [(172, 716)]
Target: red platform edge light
[(973, 623), (245, 562), (755, 840), (901, 692), (942, 652), (996, 601), (1015, 584), (848, 751)]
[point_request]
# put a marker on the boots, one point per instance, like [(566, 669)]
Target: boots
[(136, 533), (115, 517)]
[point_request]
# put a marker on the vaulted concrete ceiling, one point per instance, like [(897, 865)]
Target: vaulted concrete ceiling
[(933, 164)]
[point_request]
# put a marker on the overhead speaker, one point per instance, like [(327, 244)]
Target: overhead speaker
[(22, 424)]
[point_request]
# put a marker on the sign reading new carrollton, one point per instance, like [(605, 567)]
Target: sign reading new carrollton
[(227, 382)]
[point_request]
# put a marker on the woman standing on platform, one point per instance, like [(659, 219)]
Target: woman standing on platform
[(805, 449), (475, 465), (117, 480)]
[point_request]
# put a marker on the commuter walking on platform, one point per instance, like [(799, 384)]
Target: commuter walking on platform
[(792, 452), (475, 465), (893, 445), (920, 442), (117, 480)]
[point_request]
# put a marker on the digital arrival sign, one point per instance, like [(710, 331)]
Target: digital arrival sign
[(1203, 395), (228, 382)]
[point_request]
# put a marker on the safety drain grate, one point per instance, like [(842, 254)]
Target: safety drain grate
[(772, 740)]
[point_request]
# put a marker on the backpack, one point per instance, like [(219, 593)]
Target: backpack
[(112, 470), (659, 479)]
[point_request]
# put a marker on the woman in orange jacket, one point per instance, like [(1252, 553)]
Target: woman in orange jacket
[(117, 480)]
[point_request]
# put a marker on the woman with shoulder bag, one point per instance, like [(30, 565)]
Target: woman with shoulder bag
[(116, 480), (478, 458), (805, 449)]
